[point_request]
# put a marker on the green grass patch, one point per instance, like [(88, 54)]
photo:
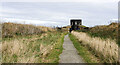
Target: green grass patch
[(83, 51), (57, 50)]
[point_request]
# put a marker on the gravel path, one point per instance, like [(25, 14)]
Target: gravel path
[(69, 54)]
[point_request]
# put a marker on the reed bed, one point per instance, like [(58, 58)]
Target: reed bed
[(105, 49)]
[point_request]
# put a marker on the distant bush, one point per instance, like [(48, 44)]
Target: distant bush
[(13, 29), (108, 31)]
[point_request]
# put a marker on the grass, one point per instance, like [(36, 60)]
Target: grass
[(14, 29), (0, 43), (57, 50), (104, 31), (23, 43), (43, 48), (83, 51), (106, 50)]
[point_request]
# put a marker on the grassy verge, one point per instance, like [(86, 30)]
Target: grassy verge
[(105, 31), (57, 50), (83, 51), (106, 50), (43, 48)]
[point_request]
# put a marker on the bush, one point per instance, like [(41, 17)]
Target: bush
[(12, 29)]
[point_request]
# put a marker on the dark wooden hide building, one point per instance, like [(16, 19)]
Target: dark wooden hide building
[(75, 23)]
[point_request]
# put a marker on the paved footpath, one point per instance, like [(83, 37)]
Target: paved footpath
[(69, 54)]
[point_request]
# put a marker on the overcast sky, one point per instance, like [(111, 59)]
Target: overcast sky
[(92, 12)]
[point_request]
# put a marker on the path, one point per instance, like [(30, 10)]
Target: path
[(69, 54)]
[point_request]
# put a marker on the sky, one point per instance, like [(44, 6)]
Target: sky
[(119, 11), (59, 12)]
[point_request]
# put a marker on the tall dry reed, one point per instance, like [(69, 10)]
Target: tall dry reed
[(24, 50), (107, 49)]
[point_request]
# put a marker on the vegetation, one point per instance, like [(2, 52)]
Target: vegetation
[(83, 51), (23, 43), (43, 48), (12, 29), (104, 31), (106, 50), (0, 43), (54, 54)]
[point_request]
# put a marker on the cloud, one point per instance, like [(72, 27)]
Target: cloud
[(119, 11), (34, 22), (60, 13), (9, 10), (99, 1)]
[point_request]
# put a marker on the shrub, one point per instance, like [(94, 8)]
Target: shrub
[(12, 29)]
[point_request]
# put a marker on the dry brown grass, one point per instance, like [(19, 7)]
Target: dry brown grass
[(107, 50), (13, 29), (0, 42), (15, 50), (31, 49), (45, 29), (33, 46), (20, 51)]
